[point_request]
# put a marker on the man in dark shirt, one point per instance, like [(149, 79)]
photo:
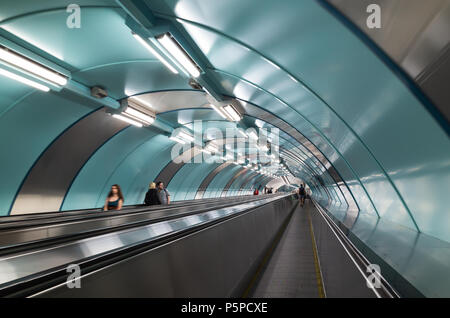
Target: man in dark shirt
[(302, 193)]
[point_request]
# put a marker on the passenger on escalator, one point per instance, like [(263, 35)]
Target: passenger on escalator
[(151, 197), (115, 199), (302, 193), (163, 194)]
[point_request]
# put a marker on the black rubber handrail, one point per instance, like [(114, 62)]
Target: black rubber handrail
[(95, 230)]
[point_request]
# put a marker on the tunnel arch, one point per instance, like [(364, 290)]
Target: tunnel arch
[(349, 113)]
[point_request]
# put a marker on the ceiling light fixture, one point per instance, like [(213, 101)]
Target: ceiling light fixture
[(156, 54), (252, 135), (138, 116), (24, 80), (182, 137), (25, 64), (128, 120), (219, 110), (176, 50), (232, 113)]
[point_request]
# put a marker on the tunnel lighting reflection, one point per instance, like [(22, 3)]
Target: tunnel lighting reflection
[(128, 120), (219, 111), (141, 101), (243, 134), (177, 140), (232, 113), (212, 148), (33, 67), (156, 54), (175, 49), (23, 80), (139, 115), (185, 136), (263, 148), (182, 136), (252, 134)]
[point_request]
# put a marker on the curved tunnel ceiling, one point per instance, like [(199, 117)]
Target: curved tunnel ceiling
[(349, 126)]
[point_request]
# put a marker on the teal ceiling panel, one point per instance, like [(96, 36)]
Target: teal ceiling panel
[(11, 92), (27, 129), (13, 9), (103, 38), (129, 78)]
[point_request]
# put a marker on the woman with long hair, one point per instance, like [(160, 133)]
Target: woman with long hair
[(115, 199)]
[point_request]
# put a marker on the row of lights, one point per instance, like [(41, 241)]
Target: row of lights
[(131, 114), (29, 70)]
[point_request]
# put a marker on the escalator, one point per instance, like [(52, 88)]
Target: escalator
[(264, 246), (313, 259), (137, 256)]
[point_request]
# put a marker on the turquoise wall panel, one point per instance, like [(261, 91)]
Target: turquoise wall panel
[(27, 127)]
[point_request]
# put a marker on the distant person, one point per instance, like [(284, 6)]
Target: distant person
[(163, 194), (270, 191), (302, 193), (256, 192), (151, 197), (115, 200)]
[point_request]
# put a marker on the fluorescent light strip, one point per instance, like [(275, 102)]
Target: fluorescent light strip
[(185, 136), (133, 112), (177, 140), (156, 54), (242, 133), (23, 80), (128, 120), (234, 115), (252, 135), (212, 148), (32, 67), (217, 109), (179, 54)]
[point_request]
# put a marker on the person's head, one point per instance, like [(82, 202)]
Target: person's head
[(115, 190), (152, 185), (160, 185)]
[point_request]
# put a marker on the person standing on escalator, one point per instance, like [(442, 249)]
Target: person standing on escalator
[(115, 199), (163, 194), (302, 193), (151, 197)]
